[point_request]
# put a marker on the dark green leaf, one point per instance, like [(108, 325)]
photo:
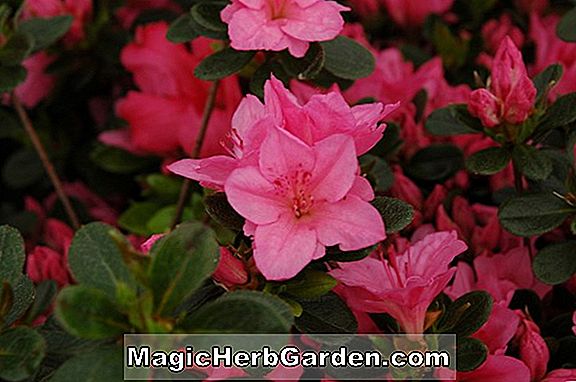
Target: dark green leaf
[(181, 262), (220, 210), (326, 315), (452, 120), (12, 255), (242, 312), (205, 19), (11, 76), (95, 260), (335, 254), (21, 352), (533, 214), (23, 291), (378, 172), (43, 298), (396, 213), (533, 163), (347, 59), (16, 49), (566, 29), (561, 113), (22, 169), (546, 79), (94, 366), (307, 67), (435, 163), (89, 313), (46, 31), (556, 263), (470, 354), (223, 63), (181, 30), (489, 161), (310, 284), (467, 314), (118, 161), (165, 187)]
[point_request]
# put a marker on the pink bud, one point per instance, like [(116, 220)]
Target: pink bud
[(46, 264), (533, 350), (147, 245), (230, 271)]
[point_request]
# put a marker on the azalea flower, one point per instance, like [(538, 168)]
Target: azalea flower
[(414, 12), (282, 24), (403, 285)]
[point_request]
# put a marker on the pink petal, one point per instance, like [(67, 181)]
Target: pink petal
[(320, 21), (213, 171)]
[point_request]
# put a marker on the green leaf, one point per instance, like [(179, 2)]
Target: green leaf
[(533, 163), (467, 314), (533, 214), (223, 63), (452, 48), (46, 31), (181, 262), (378, 172), (396, 213), (335, 254), (326, 315), (16, 49), (181, 30), (435, 163), (165, 187), (205, 17), (489, 161), (135, 218), (546, 80), (470, 354), (95, 260), (307, 67), (12, 255), (163, 218), (118, 161), (566, 29), (561, 113), (452, 120), (242, 312), (21, 352), (11, 76), (23, 291), (347, 59), (219, 209), (310, 284), (22, 169), (556, 263), (99, 365), (89, 313), (43, 297)]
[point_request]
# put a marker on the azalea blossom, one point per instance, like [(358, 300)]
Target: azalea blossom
[(282, 24), (414, 12), (511, 94), (403, 285)]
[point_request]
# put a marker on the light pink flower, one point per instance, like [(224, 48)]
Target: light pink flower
[(410, 13), (299, 199), (511, 94), (282, 24), (38, 84), (403, 286)]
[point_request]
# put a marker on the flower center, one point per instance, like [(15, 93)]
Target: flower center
[(277, 9), (295, 187)]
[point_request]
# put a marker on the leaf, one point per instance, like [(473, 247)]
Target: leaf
[(378, 172), (533, 163), (311, 284), (16, 49), (181, 262), (347, 59), (22, 169), (435, 163), (452, 120), (43, 297), (118, 161), (335, 254), (470, 354), (21, 352), (136, 217), (23, 291), (307, 67), (11, 76), (162, 219), (561, 113), (326, 315), (566, 28), (546, 80), (533, 214), (95, 260), (46, 31), (165, 187), (467, 314), (556, 263), (104, 364), (219, 209), (223, 63), (12, 255), (396, 213), (489, 161), (242, 312), (181, 30), (205, 19)]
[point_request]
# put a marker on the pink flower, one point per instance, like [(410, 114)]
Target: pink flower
[(299, 199), (81, 10), (230, 270), (497, 368), (38, 84), (532, 347), (574, 320), (511, 94), (282, 24), (493, 32), (411, 13), (403, 286), (44, 263), (165, 114), (560, 375), (532, 6)]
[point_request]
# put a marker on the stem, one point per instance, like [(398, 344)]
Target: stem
[(187, 185), (519, 189), (48, 166)]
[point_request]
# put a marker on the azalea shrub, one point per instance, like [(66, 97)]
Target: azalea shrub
[(288, 166)]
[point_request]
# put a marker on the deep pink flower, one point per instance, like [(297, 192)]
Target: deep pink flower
[(38, 84), (560, 375), (510, 95), (300, 199), (532, 347), (493, 32), (403, 286), (414, 12), (497, 368), (230, 270), (44, 263), (282, 24), (574, 320), (532, 6)]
